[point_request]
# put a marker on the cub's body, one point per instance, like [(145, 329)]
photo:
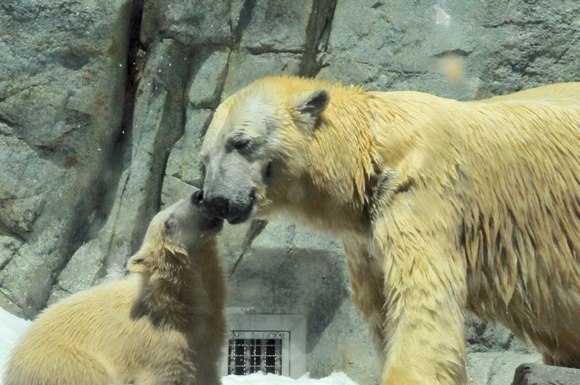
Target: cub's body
[(164, 324)]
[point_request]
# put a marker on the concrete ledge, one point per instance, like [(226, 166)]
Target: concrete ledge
[(535, 374)]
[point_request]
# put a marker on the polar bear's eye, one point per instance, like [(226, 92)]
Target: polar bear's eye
[(240, 142)]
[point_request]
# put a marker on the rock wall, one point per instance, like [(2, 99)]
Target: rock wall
[(103, 105), (63, 78)]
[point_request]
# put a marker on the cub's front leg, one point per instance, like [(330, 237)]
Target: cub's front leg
[(425, 294), (168, 363)]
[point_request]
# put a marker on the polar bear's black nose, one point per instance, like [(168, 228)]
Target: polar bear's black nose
[(217, 206)]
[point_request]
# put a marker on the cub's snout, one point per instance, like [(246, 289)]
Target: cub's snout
[(208, 219)]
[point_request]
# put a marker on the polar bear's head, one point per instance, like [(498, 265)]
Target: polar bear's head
[(253, 148), (174, 236)]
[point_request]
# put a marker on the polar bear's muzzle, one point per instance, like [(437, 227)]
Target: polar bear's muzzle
[(234, 211), (235, 206), (233, 181)]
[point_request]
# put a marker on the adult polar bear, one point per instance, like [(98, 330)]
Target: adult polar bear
[(441, 205)]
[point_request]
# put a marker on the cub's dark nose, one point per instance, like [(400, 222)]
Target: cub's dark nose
[(217, 206), (197, 197)]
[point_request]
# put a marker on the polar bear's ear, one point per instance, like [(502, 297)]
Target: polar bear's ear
[(313, 104)]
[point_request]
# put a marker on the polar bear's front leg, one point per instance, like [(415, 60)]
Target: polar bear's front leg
[(366, 279), (425, 344), (425, 293)]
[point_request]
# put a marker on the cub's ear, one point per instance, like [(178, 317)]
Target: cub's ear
[(178, 251), (312, 104), (139, 263)]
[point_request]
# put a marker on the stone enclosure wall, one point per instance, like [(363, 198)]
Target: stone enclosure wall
[(103, 104)]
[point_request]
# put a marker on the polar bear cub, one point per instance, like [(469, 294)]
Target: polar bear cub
[(163, 324)]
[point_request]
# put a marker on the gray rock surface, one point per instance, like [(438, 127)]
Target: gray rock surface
[(62, 95), (103, 105), (188, 22), (496, 368), (534, 374)]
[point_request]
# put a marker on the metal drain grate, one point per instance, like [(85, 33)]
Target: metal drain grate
[(270, 343), (252, 351)]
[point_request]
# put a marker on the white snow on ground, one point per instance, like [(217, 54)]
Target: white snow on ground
[(12, 327), (268, 379)]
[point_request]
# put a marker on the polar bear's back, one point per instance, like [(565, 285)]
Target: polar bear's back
[(563, 93)]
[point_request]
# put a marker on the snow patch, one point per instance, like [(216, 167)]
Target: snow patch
[(11, 328)]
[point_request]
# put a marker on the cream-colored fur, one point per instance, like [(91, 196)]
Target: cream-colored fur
[(163, 324), (441, 206)]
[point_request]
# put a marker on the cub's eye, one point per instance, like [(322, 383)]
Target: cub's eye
[(240, 142), (170, 225)]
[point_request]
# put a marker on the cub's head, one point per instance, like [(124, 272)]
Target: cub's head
[(253, 150), (174, 236)]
